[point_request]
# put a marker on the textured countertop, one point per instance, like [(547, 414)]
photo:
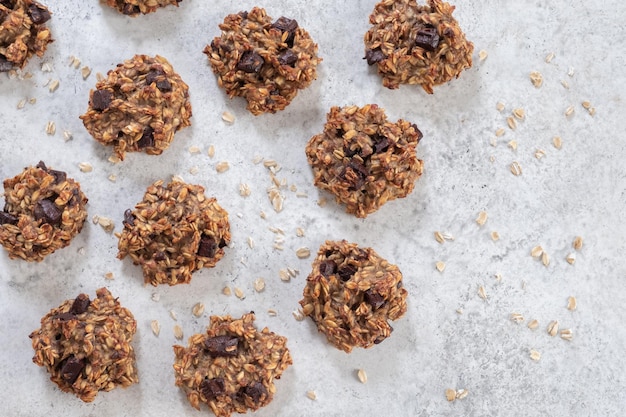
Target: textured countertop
[(450, 338)]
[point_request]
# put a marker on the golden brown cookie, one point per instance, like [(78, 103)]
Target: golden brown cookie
[(263, 61), (351, 294), (173, 232), (85, 345), (231, 367), (413, 44), (364, 159), (139, 106), (43, 212), (135, 7)]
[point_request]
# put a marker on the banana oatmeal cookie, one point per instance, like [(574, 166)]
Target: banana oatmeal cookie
[(86, 345), (139, 106), (43, 212), (412, 44), (263, 61), (23, 32), (173, 232), (351, 293), (232, 367), (135, 7), (363, 159)]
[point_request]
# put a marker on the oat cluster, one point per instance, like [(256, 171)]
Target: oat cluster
[(364, 159), (136, 7), (351, 294), (139, 106), (23, 32), (173, 232), (85, 345), (413, 44), (263, 61), (43, 212), (231, 367)]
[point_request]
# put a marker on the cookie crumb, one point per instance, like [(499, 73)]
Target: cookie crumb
[(109, 276)]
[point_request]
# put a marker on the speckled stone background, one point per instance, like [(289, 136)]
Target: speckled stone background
[(575, 191)]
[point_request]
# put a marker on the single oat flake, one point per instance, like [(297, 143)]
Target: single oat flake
[(553, 328), (571, 303), (535, 355), (362, 376), (197, 309), (311, 395), (450, 394), (482, 293), (441, 266), (536, 78), (462, 393), (516, 168), (156, 327), (533, 324), (578, 243), (482, 218)]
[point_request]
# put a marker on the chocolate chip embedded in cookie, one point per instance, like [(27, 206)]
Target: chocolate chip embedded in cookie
[(264, 61), (43, 212), (135, 7), (139, 106), (173, 232), (351, 294), (363, 159), (23, 32), (231, 367), (85, 345), (412, 44)]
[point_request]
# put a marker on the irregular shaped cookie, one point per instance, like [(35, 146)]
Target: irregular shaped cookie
[(23, 32), (363, 159), (412, 44), (134, 7), (263, 61), (232, 367), (139, 106), (43, 212), (85, 345), (173, 232), (351, 294)]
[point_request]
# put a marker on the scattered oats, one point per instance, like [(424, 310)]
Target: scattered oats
[(250, 242), (516, 168), (177, 178), (67, 135), (81, 250), (578, 243), (173, 315), (586, 104), (482, 218), (536, 252), (565, 84), (540, 153), (569, 111), (500, 106), (519, 113), (54, 85), (439, 237), (459, 311), (228, 117), (498, 277), (272, 313), (570, 72), (482, 55), (536, 78), (276, 198), (303, 252), (440, 265), (21, 103), (511, 122), (571, 303), (447, 236), (567, 334), (550, 57), (500, 132), (450, 394), (301, 194), (194, 170), (493, 142), (259, 284), (293, 272), (492, 158), (244, 190), (284, 275), (297, 314), (74, 62), (46, 67), (362, 376), (109, 276), (270, 163), (156, 327), (495, 236), (239, 294), (85, 72), (197, 309), (51, 128), (85, 167), (178, 332), (226, 291), (112, 178), (194, 150), (462, 393), (311, 395), (481, 292), (557, 142), (524, 285), (278, 246), (155, 296), (240, 215), (513, 145), (553, 328), (533, 324), (263, 215), (535, 355), (222, 166), (545, 259), (517, 318), (106, 223), (211, 151), (322, 202), (293, 188), (32, 100), (571, 258), (300, 232), (257, 159), (592, 111), (114, 159)]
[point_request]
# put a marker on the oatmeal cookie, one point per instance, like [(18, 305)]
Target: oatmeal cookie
[(412, 44), (135, 7), (86, 345), (173, 232), (232, 366), (139, 106), (363, 159), (43, 212), (23, 32), (263, 61), (351, 293)]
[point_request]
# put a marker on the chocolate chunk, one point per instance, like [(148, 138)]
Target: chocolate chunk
[(427, 38), (38, 14), (222, 244), (42, 165), (71, 369), (346, 272), (152, 76), (159, 256), (101, 100), (7, 3), (374, 299), (222, 345), (5, 65), (80, 304), (47, 211), (287, 57), (244, 15), (159, 77), (328, 267), (360, 173), (350, 152), (213, 387), (164, 85), (59, 176), (250, 62), (129, 218), (147, 138), (129, 9), (207, 247), (285, 24), (358, 168), (420, 135), (7, 218), (256, 392), (373, 56), (382, 144), (65, 316)]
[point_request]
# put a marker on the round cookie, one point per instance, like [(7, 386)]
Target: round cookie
[(23, 32), (173, 232), (139, 106), (135, 7), (363, 159), (412, 44), (263, 61), (232, 367), (85, 345), (351, 294), (43, 212)]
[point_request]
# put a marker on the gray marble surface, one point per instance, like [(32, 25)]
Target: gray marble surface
[(575, 191)]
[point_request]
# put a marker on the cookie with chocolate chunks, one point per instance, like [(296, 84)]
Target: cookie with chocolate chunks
[(135, 7)]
